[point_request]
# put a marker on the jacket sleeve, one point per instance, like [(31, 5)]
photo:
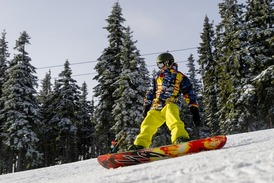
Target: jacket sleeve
[(188, 92), (191, 100)]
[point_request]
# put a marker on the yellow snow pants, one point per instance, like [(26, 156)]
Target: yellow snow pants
[(156, 118)]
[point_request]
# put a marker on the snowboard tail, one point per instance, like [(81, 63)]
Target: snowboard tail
[(158, 153)]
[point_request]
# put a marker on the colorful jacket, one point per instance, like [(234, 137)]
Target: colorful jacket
[(170, 86)]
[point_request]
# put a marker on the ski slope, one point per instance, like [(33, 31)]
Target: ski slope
[(247, 158)]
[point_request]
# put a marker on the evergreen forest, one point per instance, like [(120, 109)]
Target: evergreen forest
[(57, 123)]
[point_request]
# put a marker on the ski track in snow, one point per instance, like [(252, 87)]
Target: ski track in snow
[(246, 158)]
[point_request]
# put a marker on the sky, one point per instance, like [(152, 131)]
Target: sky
[(246, 158), (72, 30)]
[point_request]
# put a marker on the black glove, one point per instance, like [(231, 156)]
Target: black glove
[(195, 115), (145, 110)]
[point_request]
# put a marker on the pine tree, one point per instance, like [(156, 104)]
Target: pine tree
[(108, 69), (66, 117), (21, 111), (243, 100), (209, 77), (49, 110), (260, 31), (85, 126), (3, 67), (46, 88), (228, 64), (47, 141), (264, 84), (259, 20), (131, 87), (61, 116), (3, 59)]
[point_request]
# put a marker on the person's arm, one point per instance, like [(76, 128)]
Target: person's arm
[(191, 99)]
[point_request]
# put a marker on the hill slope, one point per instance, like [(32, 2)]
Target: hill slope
[(247, 157)]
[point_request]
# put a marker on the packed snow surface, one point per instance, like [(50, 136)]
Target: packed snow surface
[(246, 157)]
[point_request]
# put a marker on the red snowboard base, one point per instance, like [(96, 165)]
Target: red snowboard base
[(158, 153)]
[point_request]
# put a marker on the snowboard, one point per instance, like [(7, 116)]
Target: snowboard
[(135, 157)]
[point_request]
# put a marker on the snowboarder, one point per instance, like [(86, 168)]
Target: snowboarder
[(163, 101)]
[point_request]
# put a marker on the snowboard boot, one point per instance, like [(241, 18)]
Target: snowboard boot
[(135, 147), (180, 140)]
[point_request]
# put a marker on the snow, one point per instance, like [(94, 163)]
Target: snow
[(247, 158)]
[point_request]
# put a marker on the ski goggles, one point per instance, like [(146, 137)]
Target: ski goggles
[(160, 65), (164, 63)]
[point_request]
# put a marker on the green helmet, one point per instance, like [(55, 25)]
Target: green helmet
[(165, 58)]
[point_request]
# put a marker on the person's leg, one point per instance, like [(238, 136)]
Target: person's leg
[(174, 123), (149, 127)]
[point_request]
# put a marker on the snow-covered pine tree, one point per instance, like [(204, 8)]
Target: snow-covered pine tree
[(86, 145), (46, 88), (235, 58), (241, 103), (48, 139), (259, 23), (209, 78), (51, 118), (21, 111), (259, 19), (66, 115), (131, 87), (108, 70), (264, 84), (229, 64), (3, 59), (3, 67)]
